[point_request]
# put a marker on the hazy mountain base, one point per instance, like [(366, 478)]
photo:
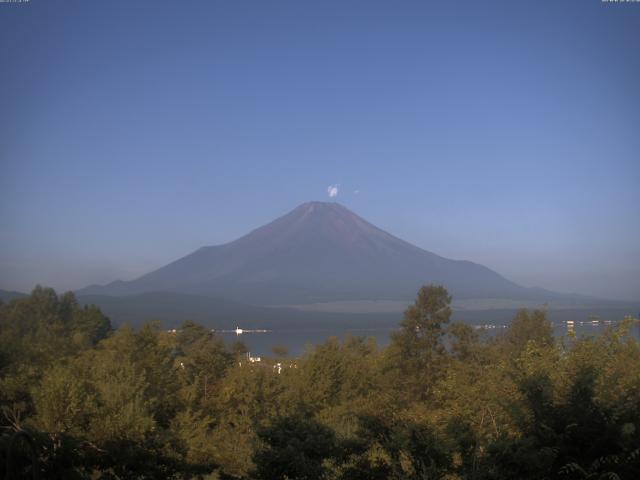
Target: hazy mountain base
[(105, 404), (470, 304), (6, 295), (172, 309)]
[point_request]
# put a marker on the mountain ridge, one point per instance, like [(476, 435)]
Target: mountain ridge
[(319, 251)]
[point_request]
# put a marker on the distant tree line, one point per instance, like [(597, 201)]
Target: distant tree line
[(80, 400)]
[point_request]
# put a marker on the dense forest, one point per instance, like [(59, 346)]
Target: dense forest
[(82, 400)]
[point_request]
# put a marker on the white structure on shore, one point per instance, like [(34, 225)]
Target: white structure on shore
[(253, 359)]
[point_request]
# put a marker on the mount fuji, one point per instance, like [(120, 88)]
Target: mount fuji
[(319, 252)]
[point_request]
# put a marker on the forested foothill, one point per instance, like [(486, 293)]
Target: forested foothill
[(81, 400)]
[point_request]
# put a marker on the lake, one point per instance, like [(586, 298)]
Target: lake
[(260, 344)]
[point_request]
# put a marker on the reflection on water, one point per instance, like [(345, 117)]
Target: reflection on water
[(296, 340)]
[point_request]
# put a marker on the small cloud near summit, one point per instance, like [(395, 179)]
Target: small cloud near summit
[(332, 190)]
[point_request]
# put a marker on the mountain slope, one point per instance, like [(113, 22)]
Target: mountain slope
[(7, 295), (319, 252)]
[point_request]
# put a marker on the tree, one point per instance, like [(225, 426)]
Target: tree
[(417, 350), (528, 327), (395, 450), (464, 341), (202, 362), (63, 402), (294, 447)]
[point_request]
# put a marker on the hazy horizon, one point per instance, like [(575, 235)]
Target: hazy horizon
[(505, 134)]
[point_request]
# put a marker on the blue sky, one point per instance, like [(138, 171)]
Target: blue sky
[(507, 133)]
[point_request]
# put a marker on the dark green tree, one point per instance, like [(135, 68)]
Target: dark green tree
[(528, 327), (294, 447), (395, 450), (417, 351)]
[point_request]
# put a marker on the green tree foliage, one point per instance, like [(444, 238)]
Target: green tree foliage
[(442, 401), (417, 351), (201, 361), (63, 401), (36, 333), (528, 327), (42, 328), (295, 447), (391, 448)]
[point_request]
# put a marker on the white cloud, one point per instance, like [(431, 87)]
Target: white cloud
[(332, 190), (356, 192)]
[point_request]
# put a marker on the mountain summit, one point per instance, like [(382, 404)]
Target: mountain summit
[(318, 252)]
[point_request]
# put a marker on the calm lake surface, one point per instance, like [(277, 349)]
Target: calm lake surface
[(260, 344)]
